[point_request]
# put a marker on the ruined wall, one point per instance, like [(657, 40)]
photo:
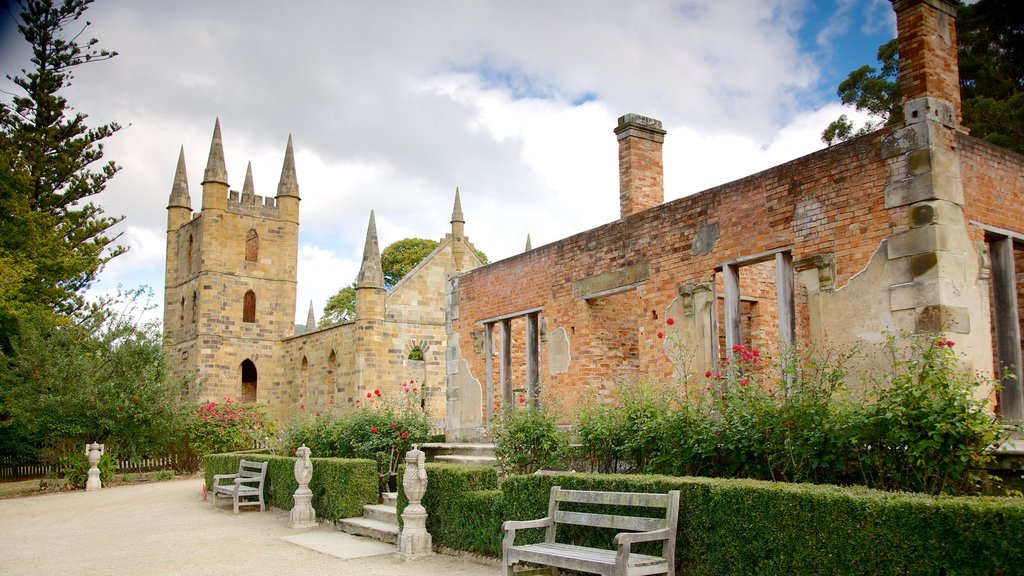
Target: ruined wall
[(827, 204)]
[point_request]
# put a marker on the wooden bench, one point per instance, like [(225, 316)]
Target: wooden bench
[(247, 482), (619, 562)]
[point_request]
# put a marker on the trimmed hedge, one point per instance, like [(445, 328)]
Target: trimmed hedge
[(341, 487), (755, 527)]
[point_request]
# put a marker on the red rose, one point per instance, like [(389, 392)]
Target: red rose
[(707, 374), (404, 435), (661, 335), (670, 321), (376, 392), (373, 430)]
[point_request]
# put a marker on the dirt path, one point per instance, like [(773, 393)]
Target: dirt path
[(166, 528)]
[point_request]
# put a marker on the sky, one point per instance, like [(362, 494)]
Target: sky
[(394, 104)]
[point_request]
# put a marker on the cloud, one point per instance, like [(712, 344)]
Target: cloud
[(394, 104)]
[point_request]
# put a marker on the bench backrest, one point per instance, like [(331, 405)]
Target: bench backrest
[(250, 469), (669, 502)]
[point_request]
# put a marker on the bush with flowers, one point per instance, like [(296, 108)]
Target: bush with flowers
[(917, 426), (227, 426), (527, 438), (382, 427)]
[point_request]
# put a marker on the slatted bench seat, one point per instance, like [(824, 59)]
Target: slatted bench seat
[(246, 483), (618, 562)]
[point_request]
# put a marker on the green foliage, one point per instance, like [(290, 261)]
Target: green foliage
[(416, 353), (99, 376), (871, 90), (918, 427), (990, 54), (465, 510), (340, 307), (53, 239), (755, 527), (213, 427), (381, 428), (526, 439), (399, 258), (341, 487), (74, 467), (622, 430)]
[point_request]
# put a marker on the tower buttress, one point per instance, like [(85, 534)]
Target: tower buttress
[(215, 178), (370, 282)]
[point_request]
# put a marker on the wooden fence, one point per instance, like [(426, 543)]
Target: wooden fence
[(12, 470)]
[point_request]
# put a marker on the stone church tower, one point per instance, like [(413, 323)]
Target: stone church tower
[(230, 279)]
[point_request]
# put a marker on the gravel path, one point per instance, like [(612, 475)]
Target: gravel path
[(166, 528)]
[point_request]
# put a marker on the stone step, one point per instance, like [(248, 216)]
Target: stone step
[(474, 460), (390, 498), (435, 449), (381, 512), (370, 528)]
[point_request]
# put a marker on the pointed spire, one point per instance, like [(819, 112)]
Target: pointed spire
[(310, 319), (457, 210), (179, 191), (371, 275), (529, 246), (247, 187), (215, 170), (289, 183)]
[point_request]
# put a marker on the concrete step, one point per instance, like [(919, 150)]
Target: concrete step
[(390, 498), (434, 449), (473, 460), (370, 528), (381, 512)]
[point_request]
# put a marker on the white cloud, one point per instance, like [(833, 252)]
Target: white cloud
[(392, 105)]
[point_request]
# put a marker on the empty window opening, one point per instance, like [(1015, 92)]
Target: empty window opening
[(249, 307), (304, 381), (248, 381), (188, 256), (332, 380), (252, 246), (518, 370), (181, 316), (416, 353)]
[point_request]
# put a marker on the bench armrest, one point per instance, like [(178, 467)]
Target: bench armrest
[(245, 479), (624, 540), (217, 477), (628, 538), (510, 527)]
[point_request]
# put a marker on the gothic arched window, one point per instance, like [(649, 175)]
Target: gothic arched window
[(252, 246), (249, 307)]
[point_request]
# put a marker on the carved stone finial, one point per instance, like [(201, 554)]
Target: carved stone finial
[(414, 541), (302, 514), (215, 170)]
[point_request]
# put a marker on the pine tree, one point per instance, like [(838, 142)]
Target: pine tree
[(53, 242)]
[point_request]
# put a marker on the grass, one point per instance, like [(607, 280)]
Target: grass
[(45, 485)]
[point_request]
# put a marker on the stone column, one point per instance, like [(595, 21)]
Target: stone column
[(94, 451), (414, 541), (302, 514)]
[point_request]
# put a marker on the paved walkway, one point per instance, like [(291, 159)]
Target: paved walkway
[(166, 528)]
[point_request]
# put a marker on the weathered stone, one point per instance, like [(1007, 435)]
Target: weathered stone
[(931, 238), (938, 265), (924, 108), (920, 294), (927, 186), (302, 514), (941, 318), (558, 352), (610, 280), (94, 452), (414, 542), (705, 239)]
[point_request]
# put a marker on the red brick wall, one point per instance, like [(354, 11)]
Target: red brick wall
[(828, 202)]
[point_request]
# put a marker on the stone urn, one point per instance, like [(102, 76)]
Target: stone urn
[(94, 452), (302, 514), (414, 541)]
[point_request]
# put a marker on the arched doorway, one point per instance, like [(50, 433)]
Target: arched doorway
[(248, 381)]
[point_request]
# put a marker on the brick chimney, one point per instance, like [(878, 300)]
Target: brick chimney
[(928, 62), (641, 171)]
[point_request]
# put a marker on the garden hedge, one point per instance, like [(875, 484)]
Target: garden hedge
[(341, 486), (755, 527)]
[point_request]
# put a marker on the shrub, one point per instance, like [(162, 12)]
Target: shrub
[(526, 439), (341, 487), (74, 467), (621, 432), (465, 509), (215, 427), (380, 428)]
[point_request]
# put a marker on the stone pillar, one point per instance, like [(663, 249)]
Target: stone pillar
[(94, 451), (414, 541), (641, 169), (302, 514)]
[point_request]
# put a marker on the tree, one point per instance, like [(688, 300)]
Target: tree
[(98, 376), (340, 307), (876, 92), (397, 260), (400, 257), (990, 51), (53, 242)]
